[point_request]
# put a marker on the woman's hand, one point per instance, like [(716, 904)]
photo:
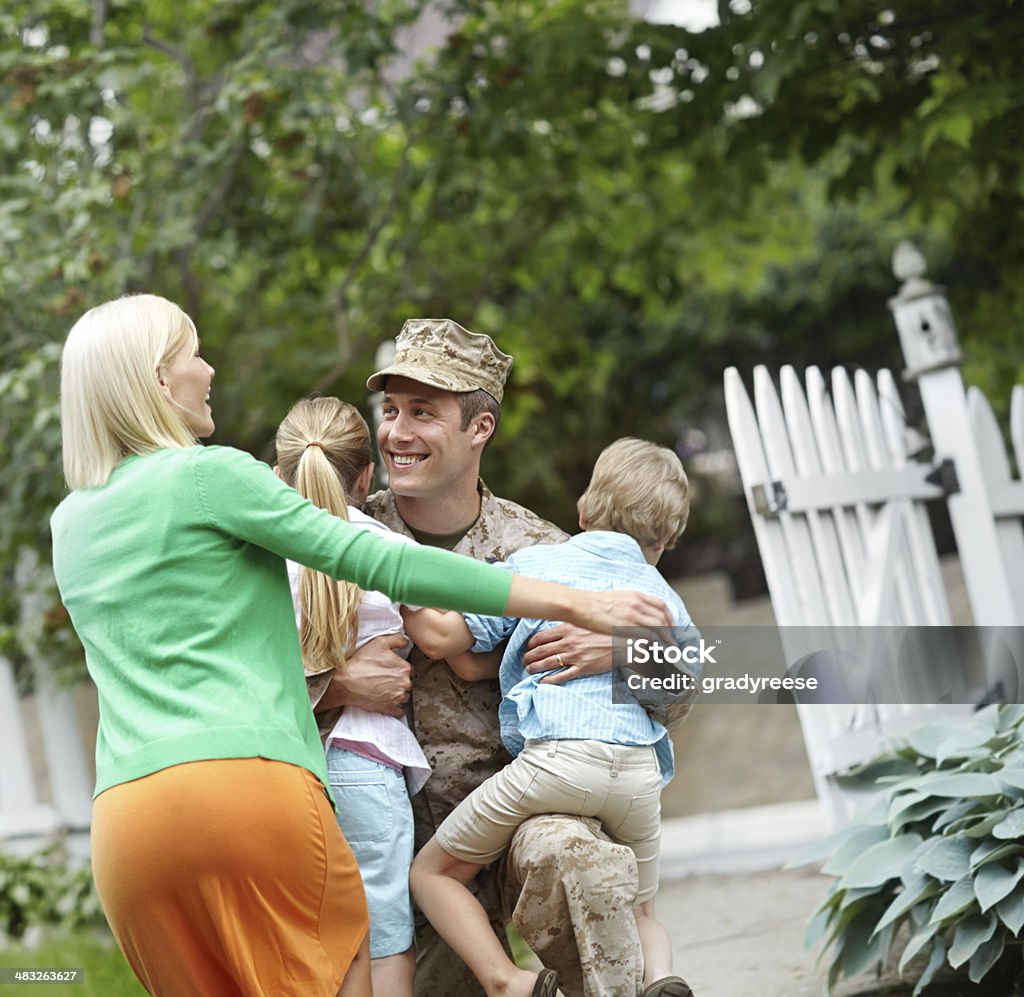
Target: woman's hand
[(603, 611)]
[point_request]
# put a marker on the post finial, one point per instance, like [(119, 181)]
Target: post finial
[(923, 318), (908, 262)]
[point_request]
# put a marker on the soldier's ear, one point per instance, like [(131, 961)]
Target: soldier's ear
[(483, 428)]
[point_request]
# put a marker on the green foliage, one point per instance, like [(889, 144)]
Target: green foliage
[(918, 100), (627, 207), (941, 851), (106, 972), (42, 891)]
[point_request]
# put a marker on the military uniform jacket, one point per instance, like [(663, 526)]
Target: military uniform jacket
[(456, 722)]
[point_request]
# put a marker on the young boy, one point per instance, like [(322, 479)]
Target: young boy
[(574, 749)]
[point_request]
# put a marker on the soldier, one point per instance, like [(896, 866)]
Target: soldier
[(568, 888)]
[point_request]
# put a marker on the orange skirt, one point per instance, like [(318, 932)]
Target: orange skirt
[(228, 877)]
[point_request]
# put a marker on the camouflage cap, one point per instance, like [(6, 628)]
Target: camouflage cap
[(440, 352)]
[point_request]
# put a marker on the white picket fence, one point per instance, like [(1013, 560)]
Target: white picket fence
[(838, 499), (45, 774)]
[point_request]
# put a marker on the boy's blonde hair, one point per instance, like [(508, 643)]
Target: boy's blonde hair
[(111, 403), (323, 445), (640, 489)]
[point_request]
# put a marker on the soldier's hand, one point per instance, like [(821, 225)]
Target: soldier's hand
[(375, 679)]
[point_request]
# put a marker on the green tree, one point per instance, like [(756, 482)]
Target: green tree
[(627, 207)]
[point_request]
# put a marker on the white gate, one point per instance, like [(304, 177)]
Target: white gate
[(837, 498)]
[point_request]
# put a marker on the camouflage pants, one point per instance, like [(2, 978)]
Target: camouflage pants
[(570, 891)]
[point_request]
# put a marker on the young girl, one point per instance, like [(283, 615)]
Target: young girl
[(373, 760)]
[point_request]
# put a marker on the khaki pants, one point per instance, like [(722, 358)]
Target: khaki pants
[(619, 785)]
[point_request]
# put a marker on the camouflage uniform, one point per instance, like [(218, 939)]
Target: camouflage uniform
[(568, 888)]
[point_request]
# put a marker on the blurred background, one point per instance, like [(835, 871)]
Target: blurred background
[(629, 197)]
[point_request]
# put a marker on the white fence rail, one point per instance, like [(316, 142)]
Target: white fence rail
[(838, 499)]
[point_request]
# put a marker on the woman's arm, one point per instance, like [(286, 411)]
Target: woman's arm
[(246, 499), (597, 611), (442, 634)]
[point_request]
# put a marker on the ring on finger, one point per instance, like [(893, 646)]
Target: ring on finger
[(561, 663)]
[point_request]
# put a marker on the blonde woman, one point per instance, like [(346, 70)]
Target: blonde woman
[(374, 762), (215, 851)]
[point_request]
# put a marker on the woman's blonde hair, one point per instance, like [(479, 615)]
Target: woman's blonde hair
[(111, 403), (640, 489), (323, 445)]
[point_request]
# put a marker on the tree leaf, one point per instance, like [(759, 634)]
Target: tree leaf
[(881, 862), (993, 851), (972, 827), (928, 740), (947, 859), (986, 957), (963, 742), (937, 956), (861, 947), (1013, 778), (918, 812), (843, 846), (1010, 716), (919, 888), (992, 882), (955, 900), (902, 801), (1012, 826), (855, 895), (1011, 911), (857, 842), (955, 813), (922, 938), (817, 926), (959, 785), (971, 933)]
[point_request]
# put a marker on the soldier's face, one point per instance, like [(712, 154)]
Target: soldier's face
[(421, 441)]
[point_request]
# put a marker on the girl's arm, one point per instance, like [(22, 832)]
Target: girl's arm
[(438, 634), (474, 666), (444, 636)]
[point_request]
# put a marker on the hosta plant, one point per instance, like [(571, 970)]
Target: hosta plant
[(940, 850)]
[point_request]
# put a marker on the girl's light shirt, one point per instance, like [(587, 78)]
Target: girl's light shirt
[(376, 736)]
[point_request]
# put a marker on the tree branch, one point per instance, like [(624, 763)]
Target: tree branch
[(99, 22)]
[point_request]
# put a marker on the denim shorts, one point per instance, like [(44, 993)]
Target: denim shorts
[(375, 815)]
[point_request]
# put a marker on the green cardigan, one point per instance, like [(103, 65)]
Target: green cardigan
[(174, 575)]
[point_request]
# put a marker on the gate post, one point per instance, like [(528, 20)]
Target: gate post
[(931, 351)]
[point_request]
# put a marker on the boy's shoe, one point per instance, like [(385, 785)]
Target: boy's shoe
[(669, 986), (547, 984)]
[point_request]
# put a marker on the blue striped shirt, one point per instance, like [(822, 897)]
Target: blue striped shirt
[(595, 560)]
